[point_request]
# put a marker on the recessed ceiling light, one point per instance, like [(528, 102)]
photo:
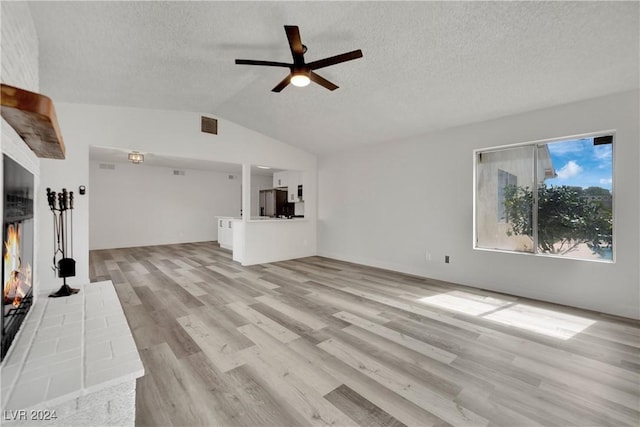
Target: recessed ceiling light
[(264, 167)]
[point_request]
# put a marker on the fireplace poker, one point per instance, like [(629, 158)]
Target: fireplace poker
[(71, 228), (62, 221), (52, 200)]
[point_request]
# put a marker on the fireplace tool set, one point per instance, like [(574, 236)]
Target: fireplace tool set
[(61, 205)]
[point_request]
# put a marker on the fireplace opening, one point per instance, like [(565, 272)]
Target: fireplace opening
[(17, 249)]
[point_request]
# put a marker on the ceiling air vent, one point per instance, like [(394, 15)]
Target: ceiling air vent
[(209, 125), (178, 172), (601, 140), (109, 166)]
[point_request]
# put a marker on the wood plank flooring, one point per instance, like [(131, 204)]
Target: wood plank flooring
[(321, 342)]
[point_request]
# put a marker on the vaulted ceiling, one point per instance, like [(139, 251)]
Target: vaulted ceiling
[(426, 65)]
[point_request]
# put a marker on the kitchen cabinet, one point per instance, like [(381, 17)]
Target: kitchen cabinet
[(280, 179), (225, 232), (293, 180)]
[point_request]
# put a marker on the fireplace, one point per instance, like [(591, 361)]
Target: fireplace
[(17, 249)]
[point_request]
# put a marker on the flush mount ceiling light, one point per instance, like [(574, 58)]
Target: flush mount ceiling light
[(136, 158), (264, 167)]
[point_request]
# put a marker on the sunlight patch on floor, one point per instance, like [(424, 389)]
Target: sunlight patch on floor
[(465, 302), (548, 322), (539, 320)]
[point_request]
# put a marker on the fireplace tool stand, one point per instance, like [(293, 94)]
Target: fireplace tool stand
[(61, 205)]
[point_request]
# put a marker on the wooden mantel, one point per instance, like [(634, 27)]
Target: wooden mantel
[(33, 117)]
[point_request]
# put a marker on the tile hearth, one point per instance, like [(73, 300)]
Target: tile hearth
[(75, 356)]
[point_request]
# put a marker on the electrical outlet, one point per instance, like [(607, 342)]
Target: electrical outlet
[(446, 259), (427, 256)]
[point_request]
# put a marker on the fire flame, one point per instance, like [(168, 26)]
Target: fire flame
[(18, 282)]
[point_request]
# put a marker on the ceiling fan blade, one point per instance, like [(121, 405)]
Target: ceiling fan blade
[(335, 60), (284, 83), (293, 35), (322, 81), (267, 63)]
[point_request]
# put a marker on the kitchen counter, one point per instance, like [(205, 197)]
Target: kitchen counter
[(269, 219), (231, 231), (261, 218)]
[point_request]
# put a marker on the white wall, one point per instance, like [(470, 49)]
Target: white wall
[(20, 69), (166, 133), (141, 205), (387, 205)]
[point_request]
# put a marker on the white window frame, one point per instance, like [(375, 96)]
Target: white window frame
[(535, 143)]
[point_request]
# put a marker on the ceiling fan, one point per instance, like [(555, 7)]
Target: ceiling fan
[(302, 73)]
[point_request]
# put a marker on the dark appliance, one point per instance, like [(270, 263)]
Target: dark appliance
[(274, 203)]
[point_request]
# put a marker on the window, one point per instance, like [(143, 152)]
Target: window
[(549, 198)]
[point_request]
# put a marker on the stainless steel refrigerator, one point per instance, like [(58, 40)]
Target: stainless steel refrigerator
[(274, 203)]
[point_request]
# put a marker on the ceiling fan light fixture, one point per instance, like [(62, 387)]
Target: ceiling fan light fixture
[(300, 79)]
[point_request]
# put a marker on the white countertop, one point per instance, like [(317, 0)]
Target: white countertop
[(268, 219), (261, 218)]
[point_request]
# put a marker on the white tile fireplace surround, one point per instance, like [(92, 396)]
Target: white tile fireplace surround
[(75, 359)]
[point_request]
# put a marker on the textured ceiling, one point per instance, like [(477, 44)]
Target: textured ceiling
[(426, 65)]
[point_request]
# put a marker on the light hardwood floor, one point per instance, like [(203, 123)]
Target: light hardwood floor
[(319, 342)]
